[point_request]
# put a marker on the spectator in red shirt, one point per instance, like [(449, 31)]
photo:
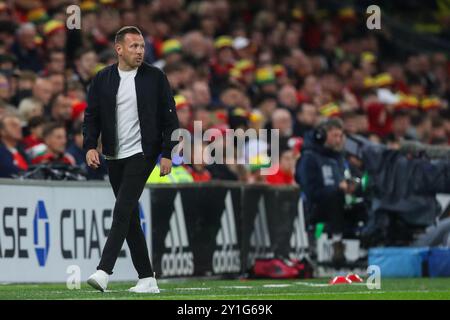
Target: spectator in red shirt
[(199, 173), (198, 170), (35, 127), (285, 172), (55, 139), (308, 90)]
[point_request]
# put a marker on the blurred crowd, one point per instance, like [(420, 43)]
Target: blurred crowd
[(231, 64)]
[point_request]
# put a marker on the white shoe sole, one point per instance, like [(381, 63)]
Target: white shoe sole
[(94, 284), (148, 290)]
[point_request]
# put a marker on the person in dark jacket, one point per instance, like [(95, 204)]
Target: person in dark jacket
[(13, 159), (131, 105), (75, 148), (404, 185), (321, 173)]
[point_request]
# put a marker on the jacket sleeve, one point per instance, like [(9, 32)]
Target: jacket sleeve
[(312, 181), (168, 117), (91, 123)]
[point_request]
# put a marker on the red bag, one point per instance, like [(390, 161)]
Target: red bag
[(274, 269), (304, 268)]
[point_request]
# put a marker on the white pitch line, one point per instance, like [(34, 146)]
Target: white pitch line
[(311, 284), (301, 294), (277, 285), (199, 289)]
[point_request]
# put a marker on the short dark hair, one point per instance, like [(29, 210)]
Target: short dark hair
[(82, 51), (400, 113), (50, 127), (331, 123), (265, 97), (173, 67), (120, 35), (36, 121)]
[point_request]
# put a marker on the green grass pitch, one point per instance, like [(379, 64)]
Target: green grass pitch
[(312, 289)]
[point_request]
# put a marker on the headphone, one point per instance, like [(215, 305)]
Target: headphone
[(320, 134)]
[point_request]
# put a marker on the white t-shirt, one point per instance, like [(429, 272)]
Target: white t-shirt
[(128, 128)]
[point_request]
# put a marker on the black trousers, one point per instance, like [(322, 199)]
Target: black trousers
[(128, 177), (331, 211), (339, 219)]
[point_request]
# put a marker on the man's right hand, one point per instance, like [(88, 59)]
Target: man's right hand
[(347, 187), (93, 159)]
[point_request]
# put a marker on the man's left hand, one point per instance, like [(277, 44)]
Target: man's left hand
[(165, 166)]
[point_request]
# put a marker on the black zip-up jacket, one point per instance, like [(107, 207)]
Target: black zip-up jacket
[(319, 171), (156, 111)]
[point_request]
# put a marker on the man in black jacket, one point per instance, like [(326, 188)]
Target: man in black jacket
[(131, 105), (321, 173)]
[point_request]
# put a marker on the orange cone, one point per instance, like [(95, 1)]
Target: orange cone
[(340, 280), (353, 277)]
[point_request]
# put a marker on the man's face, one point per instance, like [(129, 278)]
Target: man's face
[(37, 131), (25, 84), (57, 81), (401, 124), (308, 115), (88, 61), (268, 106), (288, 96), (184, 116), (12, 129), (131, 50), (351, 125), (335, 139), (357, 80), (57, 62), (225, 55), (202, 95), (283, 122), (56, 141), (62, 109), (43, 90), (58, 39), (287, 161), (26, 39), (231, 97)]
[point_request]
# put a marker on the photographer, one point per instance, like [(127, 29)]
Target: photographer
[(324, 177), (404, 184)]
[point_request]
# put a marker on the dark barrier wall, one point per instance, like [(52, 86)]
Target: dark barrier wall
[(196, 231), (221, 229), (215, 228)]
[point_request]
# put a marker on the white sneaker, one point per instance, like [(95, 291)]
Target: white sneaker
[(145, 285), (99, 280)]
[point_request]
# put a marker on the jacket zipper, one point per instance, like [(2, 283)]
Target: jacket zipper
[(116, 146)]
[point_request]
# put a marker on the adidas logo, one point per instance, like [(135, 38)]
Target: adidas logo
[(299, 238), (260, 237), (178, 262), (227, 258)]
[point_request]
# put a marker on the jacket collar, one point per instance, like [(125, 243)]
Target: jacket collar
[(139, 71)]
